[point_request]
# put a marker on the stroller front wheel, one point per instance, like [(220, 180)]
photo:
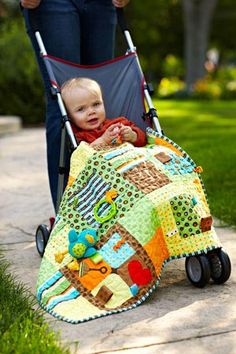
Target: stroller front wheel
[(220, 266), (41, 238), (198, 270)]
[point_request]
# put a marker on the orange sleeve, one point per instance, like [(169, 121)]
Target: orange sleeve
[(88, 136)]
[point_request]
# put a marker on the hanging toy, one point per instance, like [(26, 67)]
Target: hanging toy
[(80, 245), (198, 169), (117, 140), (110, 195)]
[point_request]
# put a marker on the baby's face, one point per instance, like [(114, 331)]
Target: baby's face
[(86, 108)]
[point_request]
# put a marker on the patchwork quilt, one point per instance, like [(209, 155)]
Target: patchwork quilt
[(125, 213)]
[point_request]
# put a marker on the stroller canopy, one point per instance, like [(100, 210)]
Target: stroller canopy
[(121, 80)]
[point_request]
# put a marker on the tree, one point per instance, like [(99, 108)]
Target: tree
[(197, 19), (157, 31), (223, 31)]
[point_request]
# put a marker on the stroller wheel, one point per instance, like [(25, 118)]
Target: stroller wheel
[(198, 270), (220, 266), (41, 238)]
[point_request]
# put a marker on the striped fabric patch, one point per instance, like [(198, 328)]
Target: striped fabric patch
[(47, 284), (112, 154), (70, 294), (88, 196), (56, 289)]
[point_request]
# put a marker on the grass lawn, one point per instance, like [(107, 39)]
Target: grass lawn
[(22, 330), (207, 132)]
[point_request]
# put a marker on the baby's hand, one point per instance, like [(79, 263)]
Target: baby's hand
[(111, 133), (116, 131), (127, 134)]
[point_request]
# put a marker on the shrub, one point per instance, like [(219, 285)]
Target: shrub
[(226, 73), (207, 88), (230, 90), (169, 87), (218, 85), (20, 83), (227, 76), (172, 66)]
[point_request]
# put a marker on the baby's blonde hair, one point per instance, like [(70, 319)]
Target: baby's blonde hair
[(83, 83)]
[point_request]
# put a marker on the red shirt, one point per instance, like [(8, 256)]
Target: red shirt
[(90, 135)]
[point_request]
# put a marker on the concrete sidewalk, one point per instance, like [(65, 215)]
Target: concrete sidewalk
[(9, 124), (175, 319)]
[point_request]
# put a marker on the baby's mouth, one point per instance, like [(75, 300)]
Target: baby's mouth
[(93, 121)]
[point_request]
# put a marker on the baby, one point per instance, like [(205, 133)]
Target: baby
[(84, 103)]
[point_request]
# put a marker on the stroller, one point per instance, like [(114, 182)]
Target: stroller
[(126, 211)]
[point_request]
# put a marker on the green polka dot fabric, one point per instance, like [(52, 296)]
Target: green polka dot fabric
[(188, 222), (125, 213)]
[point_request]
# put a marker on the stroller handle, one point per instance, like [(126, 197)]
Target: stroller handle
[(121, 19), (33, 20)]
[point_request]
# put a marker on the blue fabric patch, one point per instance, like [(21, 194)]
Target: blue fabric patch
[(116, 257), (47, 284), (72, 294), (134, 289), (178, 165), (194, 201), (115, 153)]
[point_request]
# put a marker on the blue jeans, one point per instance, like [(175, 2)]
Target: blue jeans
[(81, 31)]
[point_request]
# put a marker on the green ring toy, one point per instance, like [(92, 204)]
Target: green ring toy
[(102, 219)]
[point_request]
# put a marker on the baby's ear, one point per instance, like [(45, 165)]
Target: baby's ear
[(72, 235)]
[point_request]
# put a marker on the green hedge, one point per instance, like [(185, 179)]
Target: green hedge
[(20, 82)]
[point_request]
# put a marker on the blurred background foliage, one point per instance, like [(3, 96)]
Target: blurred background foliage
[(20, 82), (158, 31)]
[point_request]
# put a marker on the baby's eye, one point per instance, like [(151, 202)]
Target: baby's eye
[(80, 109), (97, 103)]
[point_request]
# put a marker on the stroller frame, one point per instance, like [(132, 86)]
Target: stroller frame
[(216, 263)]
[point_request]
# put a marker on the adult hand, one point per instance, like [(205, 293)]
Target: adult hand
[(120, 3), (30, 4)]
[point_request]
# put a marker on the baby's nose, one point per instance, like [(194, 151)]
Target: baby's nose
[(91, 110)]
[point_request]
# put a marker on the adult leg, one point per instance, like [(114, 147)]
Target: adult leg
[(59, 26), (98, 24)]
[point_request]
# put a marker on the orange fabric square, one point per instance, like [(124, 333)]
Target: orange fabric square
[(159, 141), (94, 273), (157, 250)]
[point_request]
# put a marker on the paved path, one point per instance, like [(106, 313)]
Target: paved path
[(177, 318)]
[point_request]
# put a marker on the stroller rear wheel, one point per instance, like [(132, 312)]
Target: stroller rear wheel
[(220, 266), (41, 238), (198, 270)]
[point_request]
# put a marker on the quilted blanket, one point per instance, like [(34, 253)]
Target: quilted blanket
[(125, 213)]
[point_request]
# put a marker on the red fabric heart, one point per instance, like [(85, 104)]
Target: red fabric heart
[(138, 274)]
